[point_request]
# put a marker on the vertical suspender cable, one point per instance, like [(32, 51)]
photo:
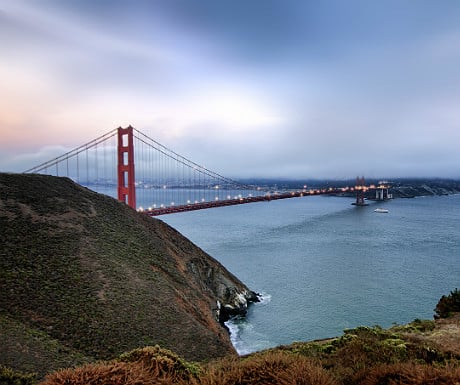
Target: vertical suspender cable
[(78, 169), (87, 167), (97, 165)]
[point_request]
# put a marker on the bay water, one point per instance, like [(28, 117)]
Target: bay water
[(323, 265)]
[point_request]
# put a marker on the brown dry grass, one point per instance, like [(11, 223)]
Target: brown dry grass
[(446, 335), (157, 366), (363, 356), (114, 373), (270, 368), (412, 374), (151, 365), (144, 366)]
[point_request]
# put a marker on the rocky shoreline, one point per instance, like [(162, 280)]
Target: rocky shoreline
[(236, 305)]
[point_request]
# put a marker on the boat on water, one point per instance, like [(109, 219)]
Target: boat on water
[(380, 210)]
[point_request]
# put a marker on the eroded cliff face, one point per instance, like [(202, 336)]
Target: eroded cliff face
[(100, 279), (233, 297)]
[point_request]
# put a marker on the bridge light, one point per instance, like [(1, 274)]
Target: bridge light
[(228, 196), (150, 208), (154, 206), (162, 205), (202, 199), (172, 203), (217, 198), (188, 201), (216, 187), (140, 209)]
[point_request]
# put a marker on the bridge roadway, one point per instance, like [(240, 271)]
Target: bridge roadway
[(251, 199)]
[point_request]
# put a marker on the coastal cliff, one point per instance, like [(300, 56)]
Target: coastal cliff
[(83, 277)]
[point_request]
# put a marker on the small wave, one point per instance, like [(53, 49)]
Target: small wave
[(232, 329), (244, 337), (264, 298), (235, 327)]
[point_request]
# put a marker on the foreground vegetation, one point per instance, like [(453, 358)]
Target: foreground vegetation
[(422, 352)]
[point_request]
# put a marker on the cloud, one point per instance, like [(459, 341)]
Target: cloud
[(23, 161), (289, 88)]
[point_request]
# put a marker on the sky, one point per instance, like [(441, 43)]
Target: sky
[(249, 88)]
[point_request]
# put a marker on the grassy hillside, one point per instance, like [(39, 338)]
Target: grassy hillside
[(84, 277)]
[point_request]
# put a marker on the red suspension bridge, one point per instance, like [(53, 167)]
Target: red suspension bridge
[(133, 167)]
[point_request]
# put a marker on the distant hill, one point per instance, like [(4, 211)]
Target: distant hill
[(421, 187), (84, 277), (400, 187)]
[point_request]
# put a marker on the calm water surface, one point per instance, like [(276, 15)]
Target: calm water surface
[(323, 265)]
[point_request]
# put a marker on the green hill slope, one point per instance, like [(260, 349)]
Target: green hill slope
[(85, 277)]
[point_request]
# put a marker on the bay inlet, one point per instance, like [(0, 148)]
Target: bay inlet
[(323, 265)]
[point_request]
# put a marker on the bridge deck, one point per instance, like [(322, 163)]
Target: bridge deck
[(239, 201)]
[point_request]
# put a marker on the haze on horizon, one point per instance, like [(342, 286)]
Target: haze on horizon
[(250, 89)]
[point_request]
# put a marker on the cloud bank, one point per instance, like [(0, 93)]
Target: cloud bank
[(250, 89)]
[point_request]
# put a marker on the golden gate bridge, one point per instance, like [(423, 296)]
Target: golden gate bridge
[(140, 169)]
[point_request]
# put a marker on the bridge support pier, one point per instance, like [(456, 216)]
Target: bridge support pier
[(126, 179), (382, 192), (360, 190)]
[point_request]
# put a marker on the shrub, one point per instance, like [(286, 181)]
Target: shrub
[(150, 365), (448, 305), (10, 377), (161, 363), (411, 374), (416, 326), (269, 368), (114, 373)]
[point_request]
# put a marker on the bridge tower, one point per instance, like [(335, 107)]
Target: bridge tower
[(382, 191), (126, 180), (360, 190)]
